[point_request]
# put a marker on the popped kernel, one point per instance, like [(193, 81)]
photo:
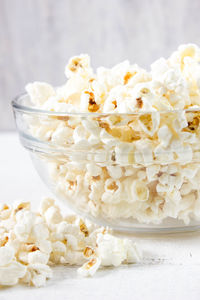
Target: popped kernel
[(139, 102), (92, 105)]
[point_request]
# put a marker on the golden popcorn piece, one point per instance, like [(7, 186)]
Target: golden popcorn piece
[(83, 228), (88, 252), (115, 119), (145, 91), (75, 64), (23, 205), (91, 263), (3, 241), (113, 186), (192, 125), (92, 105), (146, 119), (128, 76), (139, 102), (114, 102), (32, 247), (5, 207)]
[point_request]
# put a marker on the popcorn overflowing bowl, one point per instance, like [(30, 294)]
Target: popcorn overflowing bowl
[(119, 170), (120, 146)]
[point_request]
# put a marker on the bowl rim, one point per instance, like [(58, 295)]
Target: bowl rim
[(31, 110)]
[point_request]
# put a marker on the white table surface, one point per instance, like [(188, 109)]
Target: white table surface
[(170, 269)]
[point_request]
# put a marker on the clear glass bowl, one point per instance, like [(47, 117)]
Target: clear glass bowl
[(117, 169)]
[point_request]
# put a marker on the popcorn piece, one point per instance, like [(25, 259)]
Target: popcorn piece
[(4, 211), (150, 122), (39, 92), (38, 257), (113, 191), (78, 65), (114, 251), (61, 136), (139, 191), (90, 268), (115, 172), (152, 171), (94, 170), (88, 252), (89, 102), (11, 273), (45, 204), (71, 241), (53, 216), (164, 135), (6, 255), (79, 134), (133, 254), (40, 231), (37, 274), (25, 220)]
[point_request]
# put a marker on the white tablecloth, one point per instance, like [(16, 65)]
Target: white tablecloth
[(170, 269)]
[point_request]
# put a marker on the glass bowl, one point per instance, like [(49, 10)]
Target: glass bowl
[(135, 172)]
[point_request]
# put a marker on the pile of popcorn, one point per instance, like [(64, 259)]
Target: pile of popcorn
[(30, 242), (127, 140)]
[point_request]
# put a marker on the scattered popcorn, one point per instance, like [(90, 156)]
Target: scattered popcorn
[(114, 251), (31, 242), (127, 144)]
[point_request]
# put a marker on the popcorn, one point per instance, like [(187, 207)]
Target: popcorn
[(6, 255), (139, 191), (39, 92), (152, 171), (89, 268), (4, 211), (38, 257), (115, 172), (36, 240), (113, 191), (11, 273), (45, 204), (25, 220), (133, 254), (89, 103), (78, 65), (113, 251), (149, 122), (186, 188), (164, 135), (61, 135), (129, 140), (52, 215), (37, 274), (158, 68), (93, 169), (40, 230)]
